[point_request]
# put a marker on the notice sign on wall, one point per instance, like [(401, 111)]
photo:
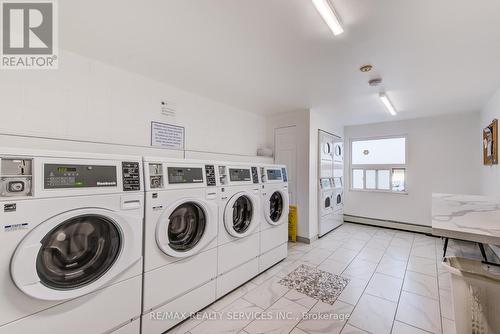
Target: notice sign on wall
[(167, 135)]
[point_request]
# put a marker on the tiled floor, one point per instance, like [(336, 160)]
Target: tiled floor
[(396, 286)]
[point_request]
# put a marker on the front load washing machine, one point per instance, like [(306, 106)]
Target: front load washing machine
[(71, 239), (275, 208), (239, 225), (180, 241)]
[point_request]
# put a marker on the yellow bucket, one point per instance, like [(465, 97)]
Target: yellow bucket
[(292, 223)]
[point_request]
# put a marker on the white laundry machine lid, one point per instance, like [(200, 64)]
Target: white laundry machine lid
[(240, 214), (73, 254), (276, 206), (186, 227)]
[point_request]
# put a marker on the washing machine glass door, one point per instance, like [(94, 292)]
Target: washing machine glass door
[(180, 234), (239, 217), (187, 224), (78, 252), (276, 206), (74, 253), (276, 209)]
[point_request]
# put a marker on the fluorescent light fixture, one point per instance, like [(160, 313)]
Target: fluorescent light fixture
[(388, 104), (327, 12)]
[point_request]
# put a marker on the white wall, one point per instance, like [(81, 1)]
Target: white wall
[(86, 100), (443, 155), (299, 119), (490, 175)]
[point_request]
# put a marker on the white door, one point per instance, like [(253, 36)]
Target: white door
[(285, 144)]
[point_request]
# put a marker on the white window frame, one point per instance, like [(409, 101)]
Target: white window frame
[(377, 167)]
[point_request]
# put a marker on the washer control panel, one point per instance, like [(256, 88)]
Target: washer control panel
[(255, 175), (210, 173), (178, 175), (63, 176), (131, 176), (274, 174), (239, 174), (285, 176)]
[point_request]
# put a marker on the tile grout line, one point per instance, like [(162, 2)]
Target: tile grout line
[(319, 300), (439, 291), (364, 290), (402, 284), (349, 263)]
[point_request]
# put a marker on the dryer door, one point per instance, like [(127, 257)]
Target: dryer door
[(185, 228), (326, 202), (338, 152), (339, 199), (240, 218), (326, 146), (276, 207), (73, 254)]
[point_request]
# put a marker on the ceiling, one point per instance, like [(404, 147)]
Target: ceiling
[(271, 56)]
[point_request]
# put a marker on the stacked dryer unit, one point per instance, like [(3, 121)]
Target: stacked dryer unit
[(327, 198), (180, 241), (71, 243), (330, 184), (326, 154), (338, 180), (239, 225), (275, 208)]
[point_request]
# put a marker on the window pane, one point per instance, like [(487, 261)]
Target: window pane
[(398, 179), (371, 178), (357, 179), (379, 151), (383, 180)]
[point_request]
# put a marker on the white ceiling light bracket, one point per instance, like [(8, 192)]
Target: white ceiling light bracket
[(387, 103), (327, 12)]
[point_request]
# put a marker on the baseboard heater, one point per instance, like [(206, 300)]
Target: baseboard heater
[(388, 223)]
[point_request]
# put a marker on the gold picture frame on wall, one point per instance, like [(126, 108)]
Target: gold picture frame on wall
[(490, 144)]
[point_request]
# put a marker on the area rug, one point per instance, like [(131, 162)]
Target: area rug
[(315, 283)]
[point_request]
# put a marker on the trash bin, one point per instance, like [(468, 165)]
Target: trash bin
[(476, 295)]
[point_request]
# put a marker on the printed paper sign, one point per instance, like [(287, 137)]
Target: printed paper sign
[(167, 135)]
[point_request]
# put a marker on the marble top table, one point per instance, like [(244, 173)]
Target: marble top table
[(466, 217)]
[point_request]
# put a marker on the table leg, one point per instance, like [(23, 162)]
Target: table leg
[(445, 247), (483, 252)]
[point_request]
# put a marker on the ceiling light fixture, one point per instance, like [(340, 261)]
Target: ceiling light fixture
[(328, 14), (375, 82), (366, 68), (388, 104)]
